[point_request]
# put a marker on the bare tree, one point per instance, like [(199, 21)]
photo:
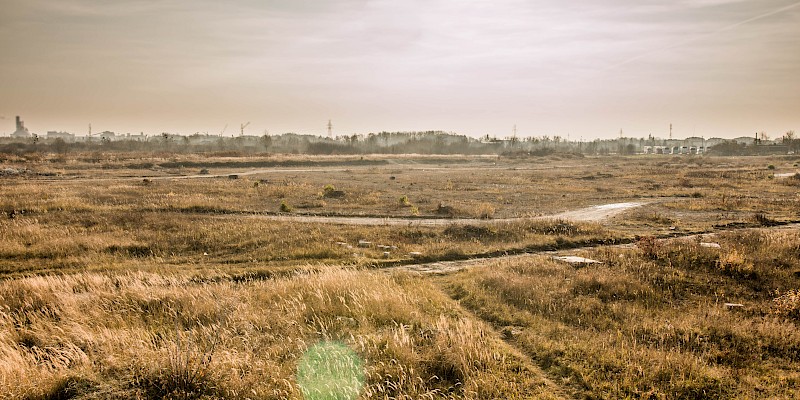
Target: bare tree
[(266, 141), (789, 140)]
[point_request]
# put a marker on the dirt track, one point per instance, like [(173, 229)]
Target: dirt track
[(447, 267), (588, 214)]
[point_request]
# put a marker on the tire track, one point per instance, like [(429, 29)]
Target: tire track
[(588, 214), (448, 267)]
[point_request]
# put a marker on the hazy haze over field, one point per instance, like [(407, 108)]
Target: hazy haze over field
[(583, 68)]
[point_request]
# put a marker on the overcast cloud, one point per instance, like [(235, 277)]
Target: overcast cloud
[(583, 68)]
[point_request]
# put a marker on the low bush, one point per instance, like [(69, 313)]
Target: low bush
[(485, 211)]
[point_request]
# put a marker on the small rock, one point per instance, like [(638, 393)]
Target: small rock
[(731, 306), (710, 245), (364, 243), (415, 254)]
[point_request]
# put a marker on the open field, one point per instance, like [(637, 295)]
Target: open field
[(133, 276)]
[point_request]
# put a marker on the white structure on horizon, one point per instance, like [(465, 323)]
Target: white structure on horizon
[(22, 131), (61, 135)]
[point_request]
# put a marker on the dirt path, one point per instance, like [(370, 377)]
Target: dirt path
[(548, 385), (447, 267), (588, 214), (407, 165), (596, 213), (227, 173)]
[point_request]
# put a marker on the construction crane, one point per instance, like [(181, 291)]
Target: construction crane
[(222, 132), (241, 128)]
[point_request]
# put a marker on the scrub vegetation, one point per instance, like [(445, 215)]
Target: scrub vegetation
[(182, 276), (666, 319)]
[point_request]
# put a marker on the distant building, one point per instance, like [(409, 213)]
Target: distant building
[(60, 135), (136, 137), (745, 140), (22, 131), (694, 141), (714, 141), (107, 135)]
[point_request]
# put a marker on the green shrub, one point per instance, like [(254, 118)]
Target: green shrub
[(329, 191), (403, 201)]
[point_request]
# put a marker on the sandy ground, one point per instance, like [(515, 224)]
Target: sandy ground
[(596, 213)]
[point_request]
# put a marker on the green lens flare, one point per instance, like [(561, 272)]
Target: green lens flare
[(330, 370)]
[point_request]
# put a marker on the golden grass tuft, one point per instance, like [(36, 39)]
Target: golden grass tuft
[(652, 323), (174, 336)]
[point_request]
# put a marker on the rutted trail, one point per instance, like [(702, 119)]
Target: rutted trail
[(588, 214), (446, 267), (596, 213)]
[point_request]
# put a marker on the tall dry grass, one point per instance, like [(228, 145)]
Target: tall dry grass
[(134, 239), (470, 187), (170, 335), (651, 322)]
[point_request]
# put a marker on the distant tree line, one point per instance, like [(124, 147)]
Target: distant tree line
[(426, 142)]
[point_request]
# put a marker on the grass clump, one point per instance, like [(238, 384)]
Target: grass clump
[(184, 369), (330, 192), (485, 211), (403, 201), (66, 387), (788, 304)]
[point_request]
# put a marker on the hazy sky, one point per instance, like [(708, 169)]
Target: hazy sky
[(583, 68)]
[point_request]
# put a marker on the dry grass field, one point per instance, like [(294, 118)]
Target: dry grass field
[(134, 276), (652, 321)]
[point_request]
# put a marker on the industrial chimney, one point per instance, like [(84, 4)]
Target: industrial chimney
[(21, 132)]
